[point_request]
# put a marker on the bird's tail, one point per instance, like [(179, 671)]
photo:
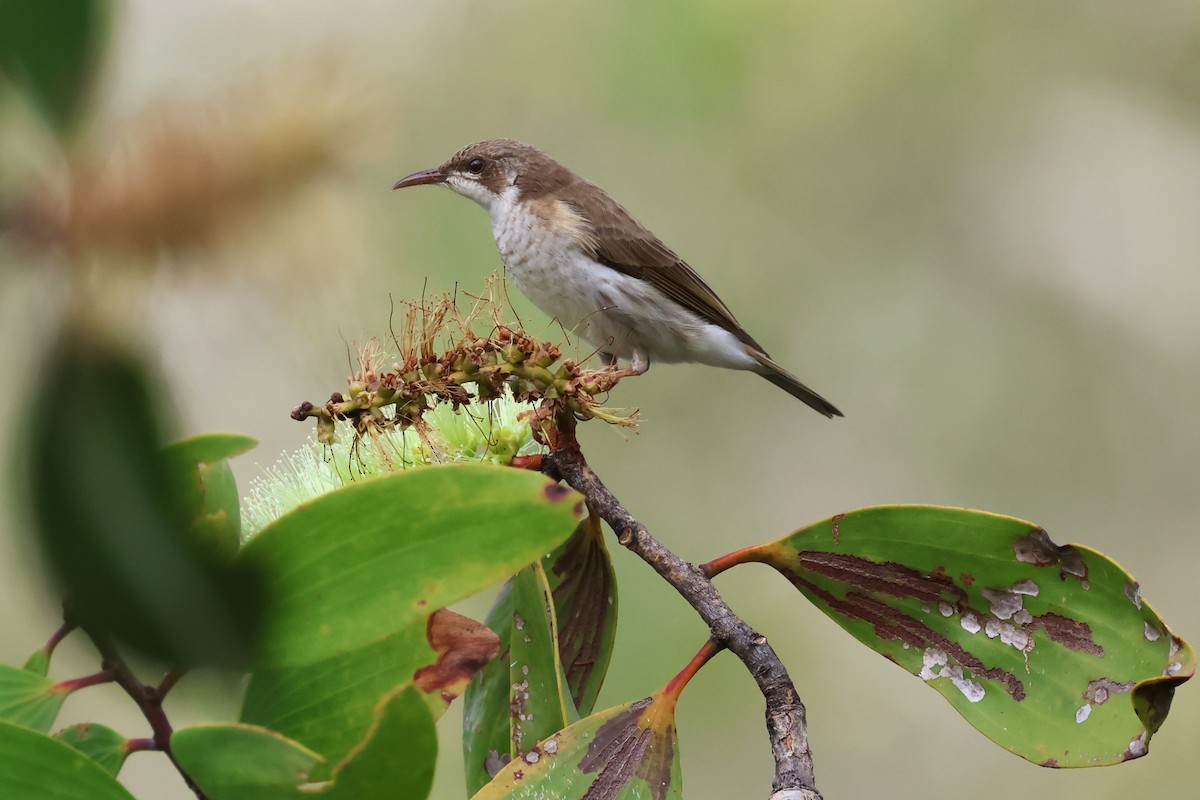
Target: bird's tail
[(792, 385)]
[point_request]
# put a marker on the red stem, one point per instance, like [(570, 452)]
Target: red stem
[(675, 686), (533, 462), (140, 745), (57, 637), (722, 563), (168, 682), (75, 684)]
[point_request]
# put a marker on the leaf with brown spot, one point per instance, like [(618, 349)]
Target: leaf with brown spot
[(487, 727), (1044, 649), (463, 647), (584, 586), (98, 742), (328, 705), (539, 702), (530, 679), (622, 753)]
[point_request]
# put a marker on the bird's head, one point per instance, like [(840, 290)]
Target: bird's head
[(485, 171)]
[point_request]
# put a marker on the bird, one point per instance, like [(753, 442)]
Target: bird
[(584, 260)]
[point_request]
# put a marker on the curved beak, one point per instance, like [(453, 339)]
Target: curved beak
[(421, 178)]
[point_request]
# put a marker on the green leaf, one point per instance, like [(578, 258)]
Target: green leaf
[(397, 759), (329, 705), (487, 727), (1049, 651), (360, 563), (584, 586), (630, 752), (38, 662), (50, 47), (199, 469), (115, 525), (244, 762), (36, 767), (539, 700), (98, 742), (209, 448), (28, 699)]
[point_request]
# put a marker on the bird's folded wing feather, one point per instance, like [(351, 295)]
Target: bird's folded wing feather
[(624, 244)]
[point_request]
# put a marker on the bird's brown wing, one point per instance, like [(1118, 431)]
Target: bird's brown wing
[(624, 244)]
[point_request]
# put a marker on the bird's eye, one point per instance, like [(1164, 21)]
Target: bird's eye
[(475, 166)]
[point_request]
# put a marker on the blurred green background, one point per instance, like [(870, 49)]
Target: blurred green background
[(973, 227)]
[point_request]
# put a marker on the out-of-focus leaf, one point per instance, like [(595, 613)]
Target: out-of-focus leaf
[(112, 521), (36, 767), (199, 468), (624, 753), (98, 742), (584, 586), (50, 47), (360, 563), (329, 705), (28, 699), (1049, 651), (244, 762)]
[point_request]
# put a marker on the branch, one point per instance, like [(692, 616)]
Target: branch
[(786, 725), (148, 698)]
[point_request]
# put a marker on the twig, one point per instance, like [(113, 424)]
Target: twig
[(75, 684), (168, 682), (786, 724), (140, 745), (148, 699), (58, 636)]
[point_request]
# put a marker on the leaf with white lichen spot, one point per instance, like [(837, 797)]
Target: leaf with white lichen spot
[(1049, 651), (539, 699), (565, 676), (521, 697), (630, 752)]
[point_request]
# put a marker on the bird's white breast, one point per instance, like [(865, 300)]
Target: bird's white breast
[(544, 248)]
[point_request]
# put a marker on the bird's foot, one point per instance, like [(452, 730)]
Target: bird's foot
[(639, 364)]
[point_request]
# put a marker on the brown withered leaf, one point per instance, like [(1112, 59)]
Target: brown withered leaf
[(463, 646)]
